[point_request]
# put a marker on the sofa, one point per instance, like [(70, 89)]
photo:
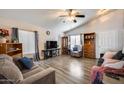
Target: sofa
[(113, 63), (11, 72)]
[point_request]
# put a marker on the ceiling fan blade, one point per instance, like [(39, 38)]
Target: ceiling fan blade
[(63, 15), (79, 15)]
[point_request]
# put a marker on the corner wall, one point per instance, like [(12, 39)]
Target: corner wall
[(8, 24), (109, 30)]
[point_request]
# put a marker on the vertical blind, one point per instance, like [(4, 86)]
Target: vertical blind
[(27, 38)]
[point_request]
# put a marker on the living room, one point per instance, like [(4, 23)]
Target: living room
[(64, 45)]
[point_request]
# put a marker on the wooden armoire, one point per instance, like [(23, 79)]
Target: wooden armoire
[(89, 45), (64, 45)]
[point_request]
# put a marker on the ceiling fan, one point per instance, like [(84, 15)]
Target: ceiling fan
[(72, 14)]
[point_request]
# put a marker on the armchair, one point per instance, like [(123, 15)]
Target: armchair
[(76, 51)]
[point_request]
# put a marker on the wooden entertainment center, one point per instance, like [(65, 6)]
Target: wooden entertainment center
[(48, 53), (11, 49)]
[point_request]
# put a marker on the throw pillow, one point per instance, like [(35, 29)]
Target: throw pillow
[(109, 55), (10, 71), (122, 59), (75, 49), (18, 63), (118, 55), (27, 62)]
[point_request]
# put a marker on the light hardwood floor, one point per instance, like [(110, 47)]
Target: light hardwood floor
[(70, 70)]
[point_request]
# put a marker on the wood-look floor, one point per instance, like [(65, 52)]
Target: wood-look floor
[(70, 70)]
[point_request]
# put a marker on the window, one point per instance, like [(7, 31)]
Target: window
[(75, 40), (27, 38)]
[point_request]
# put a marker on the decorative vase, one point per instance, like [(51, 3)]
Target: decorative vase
[(3, 40)]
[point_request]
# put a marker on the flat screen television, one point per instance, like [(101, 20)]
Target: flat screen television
[(51, 44)]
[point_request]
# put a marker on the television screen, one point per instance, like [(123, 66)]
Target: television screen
[(51, 44)]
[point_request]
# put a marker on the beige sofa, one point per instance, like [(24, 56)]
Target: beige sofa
[(11, 73)]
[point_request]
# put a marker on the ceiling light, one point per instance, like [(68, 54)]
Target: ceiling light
[(71, 18), (102, 11)]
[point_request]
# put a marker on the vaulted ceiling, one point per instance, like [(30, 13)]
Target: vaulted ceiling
[(48, 18)]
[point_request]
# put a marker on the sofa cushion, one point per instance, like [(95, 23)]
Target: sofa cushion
[(46, 76), (106, 61), (4, 80), (32, 72), (4, 57), (118, 55), (109, 55), (10, 71), (117, 65), (27, 62)]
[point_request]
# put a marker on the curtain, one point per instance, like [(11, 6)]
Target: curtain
[(69, 42), (36, 55), (81, 39), (15, 36)]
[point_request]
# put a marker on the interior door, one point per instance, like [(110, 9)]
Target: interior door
[(65, 45)]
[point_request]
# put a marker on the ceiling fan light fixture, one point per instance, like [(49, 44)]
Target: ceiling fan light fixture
[(75, 21), (71, 15), (102, 11), (71, 18)]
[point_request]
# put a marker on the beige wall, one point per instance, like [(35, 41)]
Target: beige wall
[(8, 24)]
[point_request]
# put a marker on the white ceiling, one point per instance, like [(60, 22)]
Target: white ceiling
[(47, 18)]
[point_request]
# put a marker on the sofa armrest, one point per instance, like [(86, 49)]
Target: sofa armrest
[(44, 77), (115, 71)]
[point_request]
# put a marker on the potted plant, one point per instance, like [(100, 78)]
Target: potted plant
[(3, 34)]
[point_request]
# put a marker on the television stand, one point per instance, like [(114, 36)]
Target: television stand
[(48, 53)]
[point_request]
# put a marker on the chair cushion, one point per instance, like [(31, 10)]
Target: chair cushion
[(10, 71), (27, 62)]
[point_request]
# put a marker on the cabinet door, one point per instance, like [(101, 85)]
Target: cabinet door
[(89, 46), (2, 48)]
